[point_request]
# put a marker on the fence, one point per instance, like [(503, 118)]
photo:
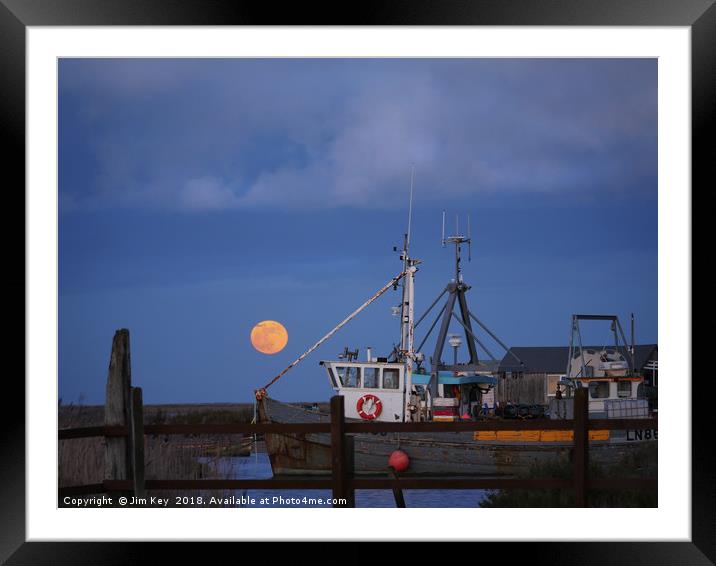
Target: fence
[(124, 432)]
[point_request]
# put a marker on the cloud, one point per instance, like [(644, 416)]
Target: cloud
[(242, 134), (206, 193)]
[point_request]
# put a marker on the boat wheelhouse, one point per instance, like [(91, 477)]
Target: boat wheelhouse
[(372, 390), (614, 389), (376, 390)]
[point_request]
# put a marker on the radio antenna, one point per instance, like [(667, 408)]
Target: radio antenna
[(458, 239), (410, 208)]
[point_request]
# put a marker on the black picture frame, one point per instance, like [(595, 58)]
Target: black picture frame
[(17, 15)]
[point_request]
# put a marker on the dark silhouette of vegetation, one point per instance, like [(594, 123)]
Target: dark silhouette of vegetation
[(241, 414), (640, 462)]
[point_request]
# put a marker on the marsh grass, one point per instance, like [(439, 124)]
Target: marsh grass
[(640, 462), (81, 461), (162, 415)]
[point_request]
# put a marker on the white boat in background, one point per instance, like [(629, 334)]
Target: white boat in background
[(614, 388)]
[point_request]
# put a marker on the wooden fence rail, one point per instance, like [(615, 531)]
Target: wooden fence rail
[(125, 431), (355, 427), (342, 481)]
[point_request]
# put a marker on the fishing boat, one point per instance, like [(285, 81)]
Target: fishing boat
[(405, 387)]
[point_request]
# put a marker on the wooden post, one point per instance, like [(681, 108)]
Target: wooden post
[(349, 445), (136, 440), (581, 446), (117, 458), (338, 450), (397, 491)]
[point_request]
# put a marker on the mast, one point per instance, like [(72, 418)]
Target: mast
[(407, 310), (459, 288), (406, 306), (455, 291)]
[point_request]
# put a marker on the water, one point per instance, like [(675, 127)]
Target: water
[(257, 466)]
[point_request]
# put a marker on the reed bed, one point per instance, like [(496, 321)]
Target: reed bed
[(638, 463), (81, 461)]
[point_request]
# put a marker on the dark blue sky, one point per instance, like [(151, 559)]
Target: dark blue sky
[(199, 197)]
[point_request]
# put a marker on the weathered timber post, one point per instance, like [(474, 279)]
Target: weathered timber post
[(580, 458), (349, 447), (136, 441), (117, 455), (339, 467)]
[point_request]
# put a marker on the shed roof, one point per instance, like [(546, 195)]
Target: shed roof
[(553, 359)]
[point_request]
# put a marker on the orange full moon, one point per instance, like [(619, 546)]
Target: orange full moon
[(269, 337)]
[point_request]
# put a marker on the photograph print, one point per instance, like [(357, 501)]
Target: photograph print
[(328, 282)]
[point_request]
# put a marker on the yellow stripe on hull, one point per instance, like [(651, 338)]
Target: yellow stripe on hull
[(536, 435)]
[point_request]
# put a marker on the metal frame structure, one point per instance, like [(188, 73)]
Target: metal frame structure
[(456, 290), (616, 329)]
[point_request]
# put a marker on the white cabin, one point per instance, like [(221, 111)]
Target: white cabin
[(372, 390), (607, 397)]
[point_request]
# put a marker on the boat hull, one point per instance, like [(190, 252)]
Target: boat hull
[(451, 453)]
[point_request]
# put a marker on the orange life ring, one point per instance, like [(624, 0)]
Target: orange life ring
[(377, 403)]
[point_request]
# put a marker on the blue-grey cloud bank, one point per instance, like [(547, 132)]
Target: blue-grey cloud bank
[(198, 197)]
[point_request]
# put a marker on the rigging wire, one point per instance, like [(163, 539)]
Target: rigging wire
[(260, 393)]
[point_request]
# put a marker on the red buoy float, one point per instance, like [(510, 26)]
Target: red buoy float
[(398, 460)]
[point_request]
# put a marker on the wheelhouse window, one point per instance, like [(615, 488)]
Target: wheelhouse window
[(332, 376), (348, 376), (371, 378), (391, 378), (624, 389), (599, 389)]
